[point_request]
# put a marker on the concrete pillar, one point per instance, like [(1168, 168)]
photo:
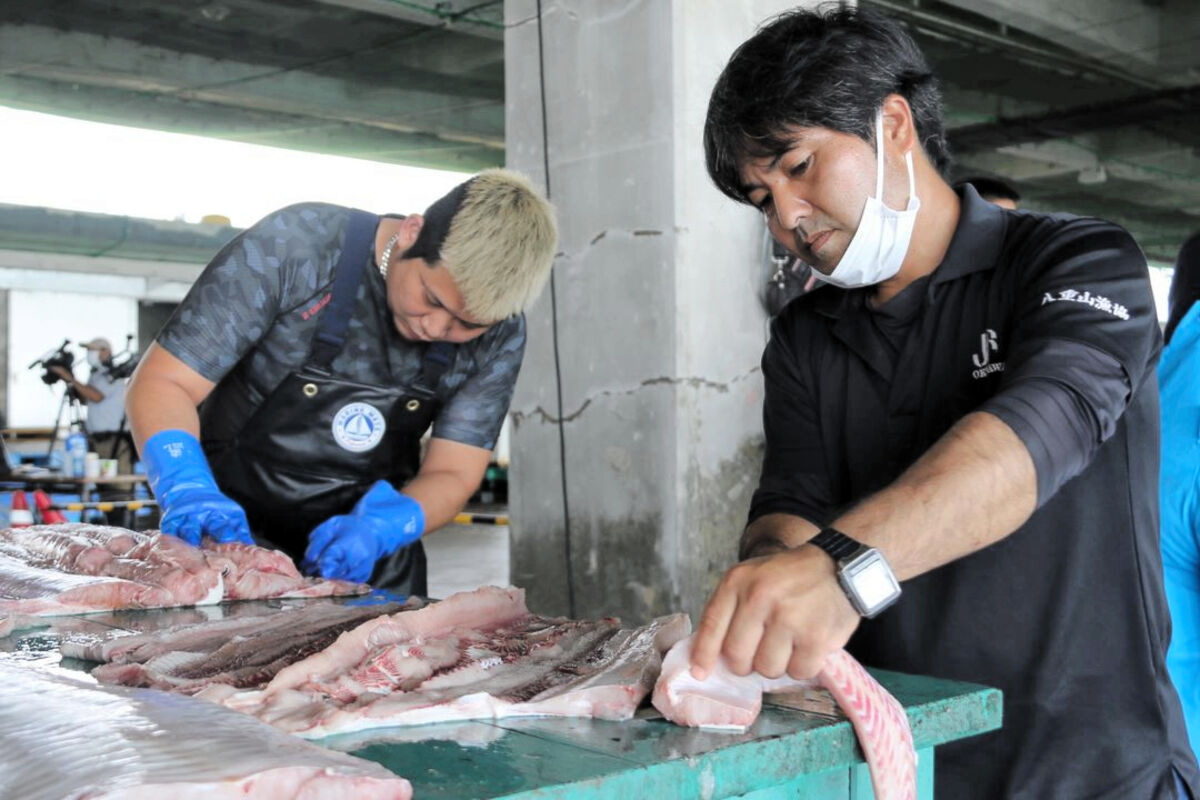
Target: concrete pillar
[(659, 326)]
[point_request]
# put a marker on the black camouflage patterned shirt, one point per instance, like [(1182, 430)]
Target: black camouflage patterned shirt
[(260, 296)]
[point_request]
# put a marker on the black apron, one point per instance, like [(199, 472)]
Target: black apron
[(314, 446)]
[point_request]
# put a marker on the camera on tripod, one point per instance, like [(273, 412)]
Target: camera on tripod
[(121, 365), (62, 357), (119, 370)]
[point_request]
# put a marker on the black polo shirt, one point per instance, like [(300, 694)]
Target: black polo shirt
[(1048, 323)]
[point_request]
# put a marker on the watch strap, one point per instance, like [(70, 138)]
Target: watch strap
[(838, 545)]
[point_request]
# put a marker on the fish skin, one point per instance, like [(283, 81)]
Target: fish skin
[(73, 568), (724, 700), (476, 655), (243, 652), (68, 737)]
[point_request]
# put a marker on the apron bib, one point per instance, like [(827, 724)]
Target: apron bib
[(316, 443)]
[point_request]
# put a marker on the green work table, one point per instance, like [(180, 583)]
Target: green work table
[(799, 754)]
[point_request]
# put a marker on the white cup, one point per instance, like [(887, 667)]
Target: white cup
[(108, 468), (91, 465)]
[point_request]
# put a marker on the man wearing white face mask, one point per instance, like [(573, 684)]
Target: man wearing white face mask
[(104, 396), (961, 446)]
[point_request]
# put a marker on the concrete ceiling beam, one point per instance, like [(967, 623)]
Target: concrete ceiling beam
[(461, 16), (1144, 109), (167, 113), (96, 61), (1128, 29)]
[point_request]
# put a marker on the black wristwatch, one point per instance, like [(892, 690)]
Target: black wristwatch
[(864, 574)]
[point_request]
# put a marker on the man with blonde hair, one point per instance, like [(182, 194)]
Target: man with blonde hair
[(284, 400)]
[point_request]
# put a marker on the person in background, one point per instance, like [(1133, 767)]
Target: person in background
[(104, 396), (995, 190), (1179, 384), (287, 395), (974, 414)]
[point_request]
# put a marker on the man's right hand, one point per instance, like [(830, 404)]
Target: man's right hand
[(182, 482), (775, 614), (200, 512)]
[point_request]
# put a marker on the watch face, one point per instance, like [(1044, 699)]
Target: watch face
[(874, 583), (871, 580)]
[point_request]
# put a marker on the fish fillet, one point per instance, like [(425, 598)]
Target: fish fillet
[(242, 652), (725, 700), (75, 568), (476, 655), (63, 737)]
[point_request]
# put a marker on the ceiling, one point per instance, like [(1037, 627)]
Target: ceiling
[(407, 82), (1088, 106)]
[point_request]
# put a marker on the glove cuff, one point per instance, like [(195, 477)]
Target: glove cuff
[(405, 517), (170, 455)]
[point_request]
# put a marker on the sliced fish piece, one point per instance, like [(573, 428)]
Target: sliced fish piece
[(476, 655), (729, 701), (72, 568), (243, 652), (63, 736)]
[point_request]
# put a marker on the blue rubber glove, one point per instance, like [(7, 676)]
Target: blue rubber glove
[(348, 545), (182, 482)]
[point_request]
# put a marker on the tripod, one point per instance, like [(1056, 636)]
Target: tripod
[(70, 399)]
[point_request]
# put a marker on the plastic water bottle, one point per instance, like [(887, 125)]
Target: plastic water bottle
[(76, 453)]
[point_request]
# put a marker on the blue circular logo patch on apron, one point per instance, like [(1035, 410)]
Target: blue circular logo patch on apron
[(358, 427)]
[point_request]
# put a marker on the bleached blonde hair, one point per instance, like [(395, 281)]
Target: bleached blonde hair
[(500, 245)]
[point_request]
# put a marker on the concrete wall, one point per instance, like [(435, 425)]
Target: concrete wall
[(659, 330)]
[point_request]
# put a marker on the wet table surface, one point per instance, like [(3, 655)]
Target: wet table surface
[(809, 753)]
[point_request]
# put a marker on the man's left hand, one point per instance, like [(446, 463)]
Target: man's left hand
[(774, 614), (348, 545)]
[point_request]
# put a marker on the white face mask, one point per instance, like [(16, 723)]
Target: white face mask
[(877, 248), (93, 359)]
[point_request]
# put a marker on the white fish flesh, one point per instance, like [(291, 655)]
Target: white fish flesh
[(476, 655), (726, 700), (242, 652), (63, 737), (78, 568)]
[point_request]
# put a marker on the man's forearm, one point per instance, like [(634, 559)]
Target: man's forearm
[(774, 533), (973, 487), (442, 496), (153, 405), (88, 394), (976, 485)]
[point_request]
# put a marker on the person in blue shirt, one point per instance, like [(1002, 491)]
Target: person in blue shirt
[(1179, 489)]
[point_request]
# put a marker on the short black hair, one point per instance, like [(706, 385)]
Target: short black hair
[(1185, 285), (438, 217), (832, 68), (992, 188)]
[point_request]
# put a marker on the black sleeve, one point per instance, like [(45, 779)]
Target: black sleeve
[(794, 476), (476, 411), (1085, 335)]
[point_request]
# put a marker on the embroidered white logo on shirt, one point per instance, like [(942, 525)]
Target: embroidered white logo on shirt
[(175, 449), (988, 344), (358, 427), (1098, 302)]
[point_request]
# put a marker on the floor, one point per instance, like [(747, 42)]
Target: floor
[(465, 557)]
